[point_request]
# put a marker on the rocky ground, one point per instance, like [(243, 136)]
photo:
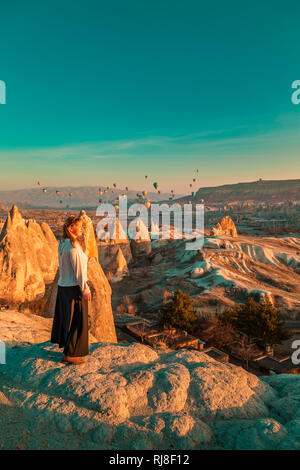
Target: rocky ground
[(225, 271), (129, 396)]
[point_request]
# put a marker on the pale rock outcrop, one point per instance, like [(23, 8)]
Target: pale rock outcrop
[(118, 266), (110, 239), (88, 240), (28, 258), (225, 227), (141, 243), (128, 396), (100, 312)]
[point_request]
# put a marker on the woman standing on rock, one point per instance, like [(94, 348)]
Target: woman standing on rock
[(70, 323)]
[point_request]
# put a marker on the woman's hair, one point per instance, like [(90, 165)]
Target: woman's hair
[(67, 232)]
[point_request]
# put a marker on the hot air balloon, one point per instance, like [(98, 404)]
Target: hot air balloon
[(194, 179), (114, 185), (148, 204), (57, 192), (39, 183), (191, 185), (197, 170), (155, 185), (70, 194), (44, 190), (108, 187), (146, 176), (126, 188), (100, 193), (117, 208), (172, 191), (144, 193)]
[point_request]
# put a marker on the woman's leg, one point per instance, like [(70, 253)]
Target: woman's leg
[(77, 343), (61, 318)]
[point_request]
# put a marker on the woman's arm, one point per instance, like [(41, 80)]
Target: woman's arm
[(80, 272)]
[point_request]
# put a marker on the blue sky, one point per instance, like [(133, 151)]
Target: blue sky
[(101, 92)]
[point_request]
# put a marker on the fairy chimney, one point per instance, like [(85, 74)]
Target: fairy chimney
[(28, 258), (141, 242), (110, 239), (225, 227)]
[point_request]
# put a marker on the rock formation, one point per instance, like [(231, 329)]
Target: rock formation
[(88, 240), (225, 227), (110, 239), (28, 258), (132, 397), (118, 266), (141, 242)]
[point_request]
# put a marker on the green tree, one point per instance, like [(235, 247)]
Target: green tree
[(257, 320), (179, 313)]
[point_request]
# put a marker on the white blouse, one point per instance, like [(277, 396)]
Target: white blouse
[(72, 266)]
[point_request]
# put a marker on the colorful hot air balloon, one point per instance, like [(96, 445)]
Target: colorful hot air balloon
[(114, 185), (44, 190), (148, 204), (155, 185), (57, 192), (70, 194), (144, 193)]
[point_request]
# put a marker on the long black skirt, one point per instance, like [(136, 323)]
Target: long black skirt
[(70, 322)]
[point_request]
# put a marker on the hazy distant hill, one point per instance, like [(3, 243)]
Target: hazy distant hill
[(84, 196), (262, 190)]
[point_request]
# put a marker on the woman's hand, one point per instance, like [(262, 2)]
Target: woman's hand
[(87, 296)]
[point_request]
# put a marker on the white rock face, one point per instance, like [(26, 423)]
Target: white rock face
[(18, 329), (131, 397), (118, 266)]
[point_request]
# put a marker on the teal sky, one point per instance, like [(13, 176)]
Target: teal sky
[(102, 92)]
